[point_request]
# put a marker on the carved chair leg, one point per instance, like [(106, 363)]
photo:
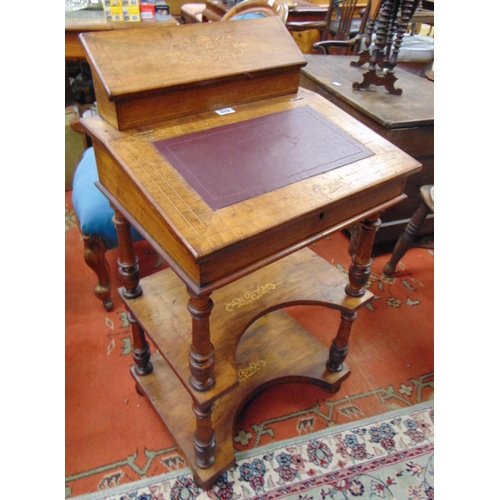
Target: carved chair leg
[(406, 239), (94, 253)]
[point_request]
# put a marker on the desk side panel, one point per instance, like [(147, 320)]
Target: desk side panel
[(122, 187)]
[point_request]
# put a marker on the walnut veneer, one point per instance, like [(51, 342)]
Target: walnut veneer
[(216, 316)]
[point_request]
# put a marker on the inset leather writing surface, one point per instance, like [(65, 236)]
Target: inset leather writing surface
[(232, 163)]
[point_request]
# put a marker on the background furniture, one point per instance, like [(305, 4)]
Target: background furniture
[(192, 12), (82, 21), (386, 42), (297, 10), (412, 229), (407, 121), (344, 28), (74, 145), (256, 8), (94, 216)]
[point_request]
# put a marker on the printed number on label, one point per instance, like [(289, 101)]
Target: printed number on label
[(224, 111)]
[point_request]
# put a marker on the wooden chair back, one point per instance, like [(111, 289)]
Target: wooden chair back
[(341, 28), (345, 10)]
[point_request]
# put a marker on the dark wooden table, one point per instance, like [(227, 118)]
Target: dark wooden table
[(406, 121), (83, 21)]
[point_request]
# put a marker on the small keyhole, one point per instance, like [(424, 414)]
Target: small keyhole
[(321, 215)]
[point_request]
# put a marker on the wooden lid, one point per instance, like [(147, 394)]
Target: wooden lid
[(138, 62)]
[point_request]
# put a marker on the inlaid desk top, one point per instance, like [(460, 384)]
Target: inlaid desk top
[(210, 248), (335, 75)]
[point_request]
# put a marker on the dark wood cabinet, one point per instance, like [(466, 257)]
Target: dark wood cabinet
[(407, 121)]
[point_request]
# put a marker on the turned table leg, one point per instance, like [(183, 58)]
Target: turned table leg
[(201, 355), (340, 344), (128, 268), (140, 348), (360, 268), (359, 272), (204, 436), (128, 272), (201, 363)]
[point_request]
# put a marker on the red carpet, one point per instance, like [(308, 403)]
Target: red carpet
[(113, 436)]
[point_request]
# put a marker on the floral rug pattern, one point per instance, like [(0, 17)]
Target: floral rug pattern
[(388, 457)]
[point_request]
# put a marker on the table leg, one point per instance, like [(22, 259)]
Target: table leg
[(360, 268), (340, 344), (201, 354), (140, 348), (360, 250), (201, 363), (204, 436), (128, 268)]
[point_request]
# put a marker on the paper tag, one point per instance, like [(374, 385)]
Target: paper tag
[(224, 111)]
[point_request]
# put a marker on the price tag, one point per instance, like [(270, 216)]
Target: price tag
[(224, 111)]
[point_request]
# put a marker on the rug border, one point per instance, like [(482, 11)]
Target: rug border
[(141, 483)]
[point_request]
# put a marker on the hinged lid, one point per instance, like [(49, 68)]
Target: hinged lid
[(145, 62)]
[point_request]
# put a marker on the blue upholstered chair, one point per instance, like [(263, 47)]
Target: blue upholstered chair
[(94, 216)]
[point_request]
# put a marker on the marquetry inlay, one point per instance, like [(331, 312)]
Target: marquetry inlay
[(249, 297), (205, 49), (250, 370)]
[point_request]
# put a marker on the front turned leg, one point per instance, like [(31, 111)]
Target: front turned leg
[(140, 348), (204, 436), (201, 353), (360, 268), (128, 268), (340, 345)]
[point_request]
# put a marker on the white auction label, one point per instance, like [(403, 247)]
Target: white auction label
[(224, 111)]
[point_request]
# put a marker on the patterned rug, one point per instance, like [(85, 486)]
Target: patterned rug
[(114, 437), (389, 456)]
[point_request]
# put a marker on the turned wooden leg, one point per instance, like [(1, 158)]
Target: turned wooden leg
[(340, 345), (204, 436), (128, 268), (140, 348), (201, 355), (94, 253), (360, 269), (406, 239)]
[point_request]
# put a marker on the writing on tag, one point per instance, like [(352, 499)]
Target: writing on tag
[(224, 111)]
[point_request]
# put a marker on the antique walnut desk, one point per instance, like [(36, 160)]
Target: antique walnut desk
[(231, 200)]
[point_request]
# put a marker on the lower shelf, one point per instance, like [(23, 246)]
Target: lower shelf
[(274, 350), (302, 278)]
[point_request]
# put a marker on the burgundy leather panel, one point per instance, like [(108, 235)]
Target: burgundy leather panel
[(232, 163)]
